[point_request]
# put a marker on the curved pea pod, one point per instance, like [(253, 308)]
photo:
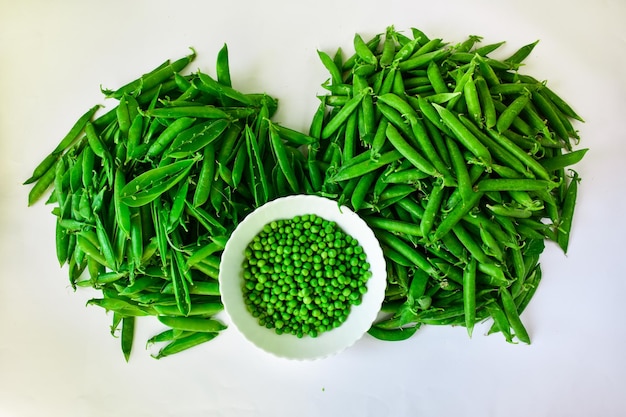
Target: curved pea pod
[(208, 84), (151, 184), (122, 212), (183, 343), (464, 135), (153, 78), (123, 307), (196, 138), (393, 335), (42, 185)]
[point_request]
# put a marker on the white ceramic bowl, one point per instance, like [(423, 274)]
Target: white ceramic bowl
[(287, 345)]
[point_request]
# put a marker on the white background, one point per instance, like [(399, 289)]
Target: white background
[(57, 357)]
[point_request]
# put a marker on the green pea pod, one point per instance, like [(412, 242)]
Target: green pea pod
[(393, 335), (203, 309), (167, 136), (42, 185), (205, 178), (183, 343), (151, 184), (208, 84), (178, 205), (196, 138), (153, 78), (105, 244), (122, 211), (65, 143), (127, 336), (222, 67), (123, 307), (567, 213), (193, 324), (280, 151)]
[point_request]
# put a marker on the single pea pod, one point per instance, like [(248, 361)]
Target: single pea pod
[(193, 324), (196, 138), (151, 184), (183, 343)]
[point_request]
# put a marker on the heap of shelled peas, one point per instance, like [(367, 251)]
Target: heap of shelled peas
[(457, 160)]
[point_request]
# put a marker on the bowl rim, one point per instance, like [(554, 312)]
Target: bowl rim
[(327, 343)]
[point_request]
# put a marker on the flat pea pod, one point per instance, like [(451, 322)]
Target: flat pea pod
[(192, 324), (393, 335), (567, 213), (186, 144), (167, 136), (185, 343), (463, 135), (149, 185)]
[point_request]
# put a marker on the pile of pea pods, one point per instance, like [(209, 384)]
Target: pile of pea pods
[(458, 161)]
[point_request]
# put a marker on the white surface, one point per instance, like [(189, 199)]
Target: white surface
[(56, 355), (289, 346)]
